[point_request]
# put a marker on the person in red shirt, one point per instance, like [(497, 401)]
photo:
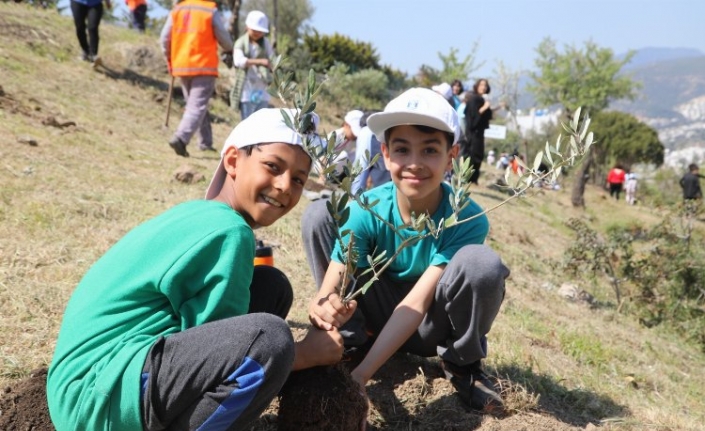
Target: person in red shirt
[(615, 180)]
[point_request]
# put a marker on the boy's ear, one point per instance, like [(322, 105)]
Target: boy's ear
[(452, 154), (385, 154), (230, 161)]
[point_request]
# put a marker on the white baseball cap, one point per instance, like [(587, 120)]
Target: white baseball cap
[(444, 89), (353, 119), (416, 106), (263, 126), (258, 21)]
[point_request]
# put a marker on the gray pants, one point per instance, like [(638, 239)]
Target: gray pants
[(197, 90), (466, 302), (223, 374)]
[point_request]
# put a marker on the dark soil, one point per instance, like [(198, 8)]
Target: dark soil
[(23, 407), (321, 398), (407, 393)]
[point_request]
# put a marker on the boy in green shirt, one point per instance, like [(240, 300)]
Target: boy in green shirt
[(174, 328), (441, 295)]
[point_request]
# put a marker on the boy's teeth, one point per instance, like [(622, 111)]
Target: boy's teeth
[(272, 201)]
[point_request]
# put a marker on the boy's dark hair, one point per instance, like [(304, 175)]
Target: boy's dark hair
[(450, 137), (693, 167), (250, 148), (477, 84)]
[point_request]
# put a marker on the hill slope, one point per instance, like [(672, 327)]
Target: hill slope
[(85, 159)]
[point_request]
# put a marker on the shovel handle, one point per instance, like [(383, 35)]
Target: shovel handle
[(168, 103)]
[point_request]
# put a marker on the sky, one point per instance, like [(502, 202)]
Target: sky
[(409, 33)]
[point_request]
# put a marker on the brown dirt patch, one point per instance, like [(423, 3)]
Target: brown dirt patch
[(23, 407), (321, 398)]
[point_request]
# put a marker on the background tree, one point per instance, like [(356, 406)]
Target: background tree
[(624, 139), (588, 77), (327, 50), (366, 89), (234, 6), (505, 85), (286, 18), (452, 68)]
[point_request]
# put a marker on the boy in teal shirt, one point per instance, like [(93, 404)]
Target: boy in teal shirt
[(174, 328), (440, 295)]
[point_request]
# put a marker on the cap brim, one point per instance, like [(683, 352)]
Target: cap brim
[(355, 130), (217, 182), (381, 121), (260, 29)]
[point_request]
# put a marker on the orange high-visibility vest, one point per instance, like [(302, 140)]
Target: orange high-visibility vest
[(194, 47), (132, 4)]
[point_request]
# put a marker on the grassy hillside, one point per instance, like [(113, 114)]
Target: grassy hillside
[(84, 158)]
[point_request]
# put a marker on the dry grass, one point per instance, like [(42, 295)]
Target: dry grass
[(64, 201)]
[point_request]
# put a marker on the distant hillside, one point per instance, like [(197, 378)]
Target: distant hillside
[(672, 96), (652, 55), (672, 100), (665, 85)]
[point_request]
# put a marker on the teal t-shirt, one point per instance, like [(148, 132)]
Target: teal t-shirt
[(372, 235), (190, 265)]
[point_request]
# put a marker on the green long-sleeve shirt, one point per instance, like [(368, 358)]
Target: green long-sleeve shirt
[(190, 265)]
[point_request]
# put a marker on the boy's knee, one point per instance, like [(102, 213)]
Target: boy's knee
[(315, 216), (483, 265), (275, 340)]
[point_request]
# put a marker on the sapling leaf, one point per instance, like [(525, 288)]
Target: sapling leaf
[(576, 119), (586, 124), (537, 160), (344, 216), (548, 154), (367, 285)]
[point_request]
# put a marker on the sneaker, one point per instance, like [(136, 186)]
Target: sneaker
[(96, 61), (474, 387), (179, 147), (207, 148), (85, 57)]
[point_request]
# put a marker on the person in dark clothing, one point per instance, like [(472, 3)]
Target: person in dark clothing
[(478, 114), (90, 11), (690, 183)]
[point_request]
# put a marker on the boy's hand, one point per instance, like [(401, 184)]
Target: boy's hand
[(318, 348), (360, 381), (330, 312)]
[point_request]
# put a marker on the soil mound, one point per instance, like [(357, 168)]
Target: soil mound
[(23, 407), (321, 398)]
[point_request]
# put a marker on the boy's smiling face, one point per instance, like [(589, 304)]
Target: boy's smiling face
[(417, 162), (266, 184)]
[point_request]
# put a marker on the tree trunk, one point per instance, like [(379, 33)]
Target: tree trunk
[(577, 197), (234, 18)]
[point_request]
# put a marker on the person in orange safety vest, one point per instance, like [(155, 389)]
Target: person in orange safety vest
[(138, 13), (190, 38)]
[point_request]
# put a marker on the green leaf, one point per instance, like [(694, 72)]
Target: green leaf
[(537, 160), (367, 285), (548, 154), (586, 124), (576, 118), (588, 141)]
